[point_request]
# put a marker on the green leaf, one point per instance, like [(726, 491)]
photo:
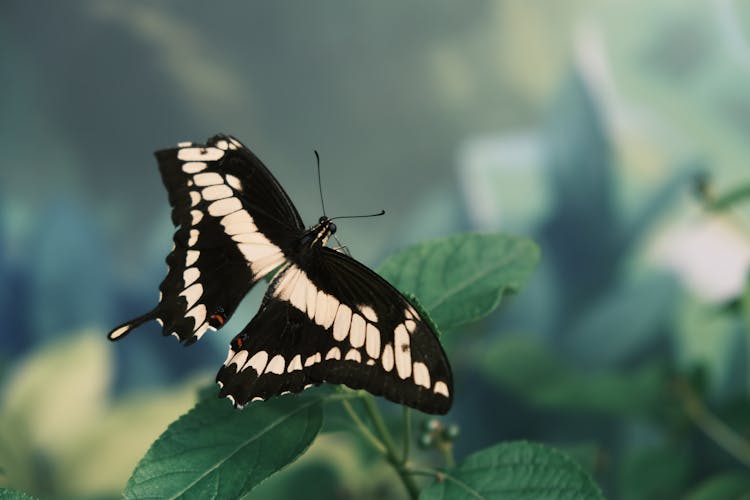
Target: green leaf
[(8, 494), (525, 367), (462, 278), (216, 451), (517, 471), (726, 485)]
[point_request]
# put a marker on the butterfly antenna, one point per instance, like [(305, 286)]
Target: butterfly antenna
[(382, 212), (320, 185)]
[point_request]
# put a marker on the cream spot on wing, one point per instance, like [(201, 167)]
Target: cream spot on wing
[(222, 144), (276, 365), (265, 264), (190, 275), (311, 360), (184, 144), (199, 154), (402, 351), (193, 237), (258, 362), (354, 355), (368, 313), (192, 294), (234, 182), (230, 355), (174, 334), (231, 398), (200, 331), (198, 313), (311, 300), (410, 325), (224, 207), (342, 322), (195, 198), (372, 343), (370, 362), (117, 333), (158, 320), (234, 142), (208, 179), (285, 286), (197, 215), (357, 331), (217, 192), (257, 398), (410, 313), (333, 307), (239, 360), (191, 257), (334, 353), (388, 358), (295, 364), (238, 222), (253, 237), (193, 167), (298, 297), (421, 374), (441, 388), (323, 302)]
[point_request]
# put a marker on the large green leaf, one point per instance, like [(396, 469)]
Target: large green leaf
[(515, 471), (462, 278), (520, 364), (215, 451)]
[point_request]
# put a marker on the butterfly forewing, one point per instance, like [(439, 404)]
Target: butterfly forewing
[(327, 318), (234, 224)]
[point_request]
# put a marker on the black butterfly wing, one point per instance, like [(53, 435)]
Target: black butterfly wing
[(234, 223), (328, 318)]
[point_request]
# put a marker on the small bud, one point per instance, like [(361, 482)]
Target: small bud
[(452, 432), (426, 440)]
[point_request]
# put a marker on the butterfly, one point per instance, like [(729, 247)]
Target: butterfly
[(324, 318)]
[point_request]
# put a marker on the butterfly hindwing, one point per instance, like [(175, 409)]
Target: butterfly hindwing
[(234, 223), (328, 318)]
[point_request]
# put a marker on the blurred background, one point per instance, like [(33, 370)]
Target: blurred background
[(602, 130)]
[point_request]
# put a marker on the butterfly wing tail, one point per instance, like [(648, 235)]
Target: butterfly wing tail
[(125, 328)]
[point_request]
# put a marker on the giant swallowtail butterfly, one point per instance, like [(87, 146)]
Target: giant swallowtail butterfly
[(324, 318)]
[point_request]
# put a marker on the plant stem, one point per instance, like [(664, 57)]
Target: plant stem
[(447, 451), (407, 434), (362, 427), (712, 426), (390, 447)]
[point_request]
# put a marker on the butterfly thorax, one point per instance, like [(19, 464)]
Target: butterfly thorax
[(317, 235)]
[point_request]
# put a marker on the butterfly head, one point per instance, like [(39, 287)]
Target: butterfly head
[(319, 233)]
